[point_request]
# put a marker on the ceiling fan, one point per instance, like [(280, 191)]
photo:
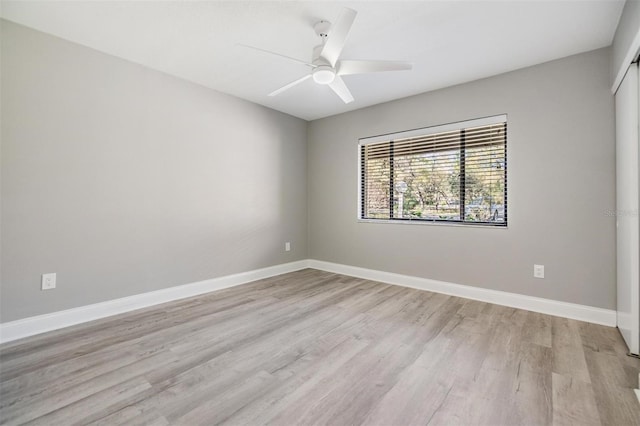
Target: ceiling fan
[(326, 67)]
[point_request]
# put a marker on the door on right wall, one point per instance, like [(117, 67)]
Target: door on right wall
[(627, 217)]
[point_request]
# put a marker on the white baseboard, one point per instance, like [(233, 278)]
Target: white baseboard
[(18, 329), (42, 323), (536, 304)]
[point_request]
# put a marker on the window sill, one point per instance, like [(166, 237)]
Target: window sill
[(433, 223)]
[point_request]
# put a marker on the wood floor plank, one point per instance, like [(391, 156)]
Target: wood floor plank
[(33, 406), (610, 379), (538, 329), (77, 410), (421, 387), (294, 388), (568, 351), (313, 347), (573, 402)]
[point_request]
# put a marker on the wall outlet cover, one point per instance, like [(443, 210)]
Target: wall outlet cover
[(48, 281), (538, 271)]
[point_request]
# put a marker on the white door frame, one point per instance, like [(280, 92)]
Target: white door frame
[(627, 101)]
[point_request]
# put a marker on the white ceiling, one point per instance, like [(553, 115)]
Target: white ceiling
[(449, 42)]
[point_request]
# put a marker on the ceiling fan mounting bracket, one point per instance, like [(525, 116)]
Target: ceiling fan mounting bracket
[(322, 29)]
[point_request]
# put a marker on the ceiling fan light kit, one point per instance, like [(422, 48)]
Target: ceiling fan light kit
[(323, 74), (326, 67)]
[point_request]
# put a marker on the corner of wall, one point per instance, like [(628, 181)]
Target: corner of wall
[(626, 42)]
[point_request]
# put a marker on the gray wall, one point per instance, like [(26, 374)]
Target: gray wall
[(124, 180), (561, 183), (628, 28)]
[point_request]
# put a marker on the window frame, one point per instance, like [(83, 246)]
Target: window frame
[(425, 131)]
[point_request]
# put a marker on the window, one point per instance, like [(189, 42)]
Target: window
[(454, 173)]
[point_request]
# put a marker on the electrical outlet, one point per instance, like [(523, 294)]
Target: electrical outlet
[(48, 281), (287, 246), (538, 271)]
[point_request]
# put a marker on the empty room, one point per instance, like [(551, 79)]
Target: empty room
[(319, 212)]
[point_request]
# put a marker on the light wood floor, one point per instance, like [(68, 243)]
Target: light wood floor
[(312, 347)]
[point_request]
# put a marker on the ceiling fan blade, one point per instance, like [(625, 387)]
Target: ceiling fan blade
[(290, 85), (338, 36), (341, 90), (347, 67), (278, 54)]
